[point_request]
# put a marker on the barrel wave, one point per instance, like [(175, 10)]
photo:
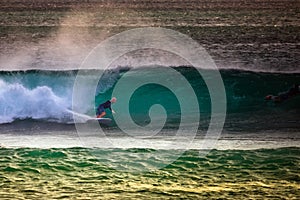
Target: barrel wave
[(47, 96)]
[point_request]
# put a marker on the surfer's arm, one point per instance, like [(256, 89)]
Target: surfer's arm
[(111, 109)]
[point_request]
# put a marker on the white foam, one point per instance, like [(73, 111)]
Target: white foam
[(19, 102)]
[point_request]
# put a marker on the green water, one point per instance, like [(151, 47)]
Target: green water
[(245, 91), (75, 173)]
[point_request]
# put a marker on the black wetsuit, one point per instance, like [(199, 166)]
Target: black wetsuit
[(294, 90), (101, 108), (290, 93)]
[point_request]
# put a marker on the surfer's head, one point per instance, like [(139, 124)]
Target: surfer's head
[(113, 100), (268, 97)]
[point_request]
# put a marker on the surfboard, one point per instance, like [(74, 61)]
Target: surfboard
[(82, 118), (105, 121)]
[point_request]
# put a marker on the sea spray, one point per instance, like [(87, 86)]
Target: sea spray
[(18, 102)]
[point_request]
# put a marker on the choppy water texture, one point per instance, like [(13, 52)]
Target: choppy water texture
[(75, 173)]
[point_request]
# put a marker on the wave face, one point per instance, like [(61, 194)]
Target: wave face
[(47, 96)]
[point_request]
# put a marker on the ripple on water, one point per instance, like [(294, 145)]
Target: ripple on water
[(76, 173)]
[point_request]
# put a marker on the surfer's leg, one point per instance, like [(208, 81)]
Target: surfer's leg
[(101, 114)]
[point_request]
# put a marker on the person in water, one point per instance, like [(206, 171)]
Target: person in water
[(293, 91), (101, 108)]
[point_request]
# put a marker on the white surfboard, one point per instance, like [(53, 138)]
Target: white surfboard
[(105, 121), (82, 118)]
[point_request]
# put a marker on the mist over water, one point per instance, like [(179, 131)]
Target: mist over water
[(63, 43)]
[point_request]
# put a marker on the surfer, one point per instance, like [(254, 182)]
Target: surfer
[(101, 108), (293, 91)]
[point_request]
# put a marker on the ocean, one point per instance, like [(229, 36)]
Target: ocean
[(74, 173), (43, 154), (189, 122)]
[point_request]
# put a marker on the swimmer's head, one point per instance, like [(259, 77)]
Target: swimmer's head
[(268, 97), (113, 100)]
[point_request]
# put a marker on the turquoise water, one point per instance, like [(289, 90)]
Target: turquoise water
[(245, 91), (74, 173)]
